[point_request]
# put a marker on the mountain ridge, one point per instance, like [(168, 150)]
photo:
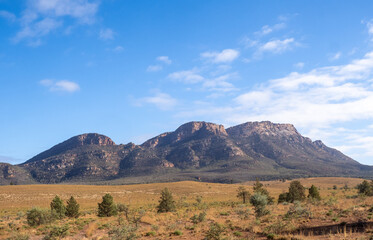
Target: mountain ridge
[(195, 150)]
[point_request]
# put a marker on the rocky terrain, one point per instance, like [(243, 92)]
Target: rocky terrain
[(194, 151)]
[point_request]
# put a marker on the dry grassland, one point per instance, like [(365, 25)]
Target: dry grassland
[(219, 201)]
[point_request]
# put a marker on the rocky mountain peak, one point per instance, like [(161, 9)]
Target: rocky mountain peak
[(190, 128), (263, 128), (91, 139), (185, 131)]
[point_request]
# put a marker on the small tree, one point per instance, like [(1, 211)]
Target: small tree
[(259, 201), (259, 188), (313, 193), (166, 203), (283, 197), (366, 188), (107, 207), (296, 192), (72, 208), (243, 194), (58, 207)]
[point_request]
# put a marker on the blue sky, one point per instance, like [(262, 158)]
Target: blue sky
[(134, 69)]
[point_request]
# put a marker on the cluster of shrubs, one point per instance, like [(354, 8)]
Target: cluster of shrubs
[(297, 193), (107, 208), (58, 210), (261, 198)]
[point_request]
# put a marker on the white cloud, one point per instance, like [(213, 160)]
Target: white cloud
[(317, 102), (106, 34), (8, 16), (225, 56), (164, 59), (277, 46), (299, 65), (163, 101), (189, 76), (154, 68), (60, 86), (335, 56), (266, 29), (41, 17), (118, 49), (370, 27)]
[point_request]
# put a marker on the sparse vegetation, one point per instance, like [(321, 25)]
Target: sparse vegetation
[(243, 194), (218, 216)]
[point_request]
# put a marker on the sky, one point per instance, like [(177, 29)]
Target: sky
[(132, 69)]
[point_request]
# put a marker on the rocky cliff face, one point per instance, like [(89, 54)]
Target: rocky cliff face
[(195, 150)]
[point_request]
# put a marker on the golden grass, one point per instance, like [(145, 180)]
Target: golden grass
[(219, 201)]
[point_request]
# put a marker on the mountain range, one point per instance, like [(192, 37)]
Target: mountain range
[(195, 151)]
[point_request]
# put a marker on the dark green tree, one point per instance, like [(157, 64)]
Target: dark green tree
[(296, 192), (72, 208), (283, 197), (313, 193), (107, 207), (243, 194), (58, 207), (366, 188), (166, 203)]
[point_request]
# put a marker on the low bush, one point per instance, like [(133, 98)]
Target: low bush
[(36, 217), (57, 232)]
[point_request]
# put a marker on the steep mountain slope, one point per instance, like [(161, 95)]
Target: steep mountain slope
[(10, 174), (195, 150), (87, 156)]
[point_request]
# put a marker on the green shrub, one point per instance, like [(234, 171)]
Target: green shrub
[(198, 218), (366, 188), (57, 232), (296, 192), (166, 203), (107, 207), (259, 201), (215, 232), (313, 193), (72, 208), (58, 207), (296, 211), (283, 197), (150, 234), (36, 217), (258, 188), (123, 232), (177, 233)]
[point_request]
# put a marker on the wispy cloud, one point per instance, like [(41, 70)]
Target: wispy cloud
[(266, 29), (106, 34), (162, 101), (8, 16), (188, 76), (60, 86), (118, 49), (154, 68), (299, 65), (41, 17), (276, 46), (335, 56), (225, 56), (164, 59)]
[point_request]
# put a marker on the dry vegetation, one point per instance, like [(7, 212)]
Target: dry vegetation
[(236, 220)]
